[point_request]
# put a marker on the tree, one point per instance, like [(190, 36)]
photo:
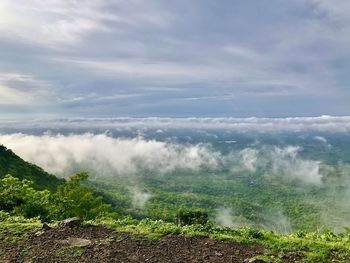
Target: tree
[(74, 199)]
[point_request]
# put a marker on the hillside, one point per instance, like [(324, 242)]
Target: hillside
[(98, 244), (126, 240), (12, 164), (106, 236)]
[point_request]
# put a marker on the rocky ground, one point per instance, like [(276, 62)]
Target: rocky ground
[(98, 244)]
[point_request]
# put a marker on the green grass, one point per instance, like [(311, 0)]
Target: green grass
[(17, 226)]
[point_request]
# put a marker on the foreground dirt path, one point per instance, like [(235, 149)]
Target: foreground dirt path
[(98, 244)]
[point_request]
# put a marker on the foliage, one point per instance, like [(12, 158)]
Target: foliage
[(20, 198), (74, 199), (71, 199), (191, 216), (257, 200)]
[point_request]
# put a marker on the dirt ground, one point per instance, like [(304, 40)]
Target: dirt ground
[(98, 244)]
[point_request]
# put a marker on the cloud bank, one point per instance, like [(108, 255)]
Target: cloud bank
[(252, 124), (106, 156)]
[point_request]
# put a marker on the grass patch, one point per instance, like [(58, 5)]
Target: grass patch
[(17, 227)]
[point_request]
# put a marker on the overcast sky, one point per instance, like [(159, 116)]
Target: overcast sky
[(99, 58)]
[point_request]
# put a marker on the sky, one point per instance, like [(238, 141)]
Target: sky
[(228, 58)]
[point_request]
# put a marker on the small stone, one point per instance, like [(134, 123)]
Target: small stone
[(70, 222), (39, 233), (218, 254), (78, 242), (253, 260)]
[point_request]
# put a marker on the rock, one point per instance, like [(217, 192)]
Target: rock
[(77, 242), (70, 222), (253, 260), (43, 229), (46, 227), (39, 233)]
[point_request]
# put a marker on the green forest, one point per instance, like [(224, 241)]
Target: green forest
[(36, 197)]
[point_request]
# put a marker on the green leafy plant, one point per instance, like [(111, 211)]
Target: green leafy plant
[(191, 216)]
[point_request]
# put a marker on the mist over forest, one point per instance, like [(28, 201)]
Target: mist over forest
[(277, 174)]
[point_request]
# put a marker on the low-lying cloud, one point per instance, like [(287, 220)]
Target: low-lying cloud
[(107, 156), (253, 124), (249, 158), (139, 197), (225, 217), (286, 161)]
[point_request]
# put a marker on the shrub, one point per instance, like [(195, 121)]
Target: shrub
[(191, 216)]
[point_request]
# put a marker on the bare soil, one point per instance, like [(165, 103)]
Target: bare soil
[(98, 244)]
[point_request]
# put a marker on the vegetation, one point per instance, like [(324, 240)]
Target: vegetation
[(181, 203), (12, 164), (19, 198), (324, 246), (254, 200), (191, 216)]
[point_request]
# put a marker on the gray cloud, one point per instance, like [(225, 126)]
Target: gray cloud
[(252, 124), (179, 58)]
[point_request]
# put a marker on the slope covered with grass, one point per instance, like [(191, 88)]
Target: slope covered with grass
[(129, 240)]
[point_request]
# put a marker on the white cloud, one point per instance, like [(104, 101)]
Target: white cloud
[(225, 217), (107, 156), (23, 89), (285, 161), (277, 222), (249, 158), (10, 96), (51, 22), (139, 197), (60, 23)]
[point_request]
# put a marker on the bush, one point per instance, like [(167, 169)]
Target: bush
[(74, 199), (19, 198), (191, 217)]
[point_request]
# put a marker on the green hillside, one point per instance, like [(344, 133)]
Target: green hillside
[(12, 164)]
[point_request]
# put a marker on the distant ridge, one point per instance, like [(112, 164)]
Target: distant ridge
[(12, 164)]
